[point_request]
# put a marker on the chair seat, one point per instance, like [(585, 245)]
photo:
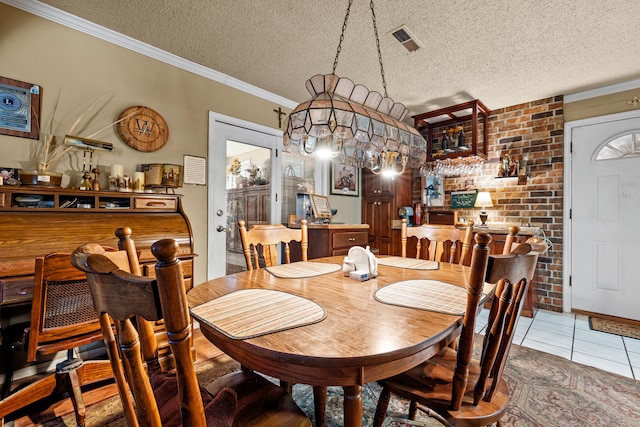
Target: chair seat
[(260, 402), (430, 384)]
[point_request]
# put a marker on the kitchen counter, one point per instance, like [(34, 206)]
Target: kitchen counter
[(504, 229), (496, 228)]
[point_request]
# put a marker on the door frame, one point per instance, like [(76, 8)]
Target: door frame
[(215, 120), (567, 240)]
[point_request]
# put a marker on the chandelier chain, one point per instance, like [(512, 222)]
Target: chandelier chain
[(344, 28), (375, 31)]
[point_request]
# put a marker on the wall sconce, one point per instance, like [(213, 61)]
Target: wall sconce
[(483, 201)]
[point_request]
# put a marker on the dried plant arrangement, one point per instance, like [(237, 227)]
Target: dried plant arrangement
[(52, 147)]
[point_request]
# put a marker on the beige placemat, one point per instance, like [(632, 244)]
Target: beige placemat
[(249, 313), (301, 269), (429, 295), (411, 263)]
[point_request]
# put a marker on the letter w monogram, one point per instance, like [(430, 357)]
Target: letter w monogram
[(144, 127)]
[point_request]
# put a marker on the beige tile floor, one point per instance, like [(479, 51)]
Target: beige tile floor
[(568, 335)]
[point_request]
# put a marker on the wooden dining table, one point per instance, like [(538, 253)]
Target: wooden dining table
[(359, 340)]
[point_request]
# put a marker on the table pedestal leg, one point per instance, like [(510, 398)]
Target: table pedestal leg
[(352, 406)]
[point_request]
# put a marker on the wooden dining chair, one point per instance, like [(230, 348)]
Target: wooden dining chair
[(62, 320), (261, 243), (444, 243), (452, 387), (171, 398)]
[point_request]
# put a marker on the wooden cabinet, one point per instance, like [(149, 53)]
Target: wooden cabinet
[(335, 239), (441, 128), (381, 199), (250, 204), (440, 217)]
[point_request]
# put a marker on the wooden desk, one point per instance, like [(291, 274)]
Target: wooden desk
[(46, 226), (361, 340)]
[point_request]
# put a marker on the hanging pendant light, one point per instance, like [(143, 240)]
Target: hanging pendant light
[(355, 126)]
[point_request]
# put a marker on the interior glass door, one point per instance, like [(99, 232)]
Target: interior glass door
[(248, 196)]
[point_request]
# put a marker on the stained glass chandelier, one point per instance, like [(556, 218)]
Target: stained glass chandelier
[(353, 125)]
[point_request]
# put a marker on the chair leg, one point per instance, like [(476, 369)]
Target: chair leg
[(413, 410), (287, 386), (320, 404), (381, 409), (75, 394)]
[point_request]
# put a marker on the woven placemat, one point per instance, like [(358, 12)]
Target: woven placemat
[(410, 263), (250, 313), (431, 295), (302, 269)]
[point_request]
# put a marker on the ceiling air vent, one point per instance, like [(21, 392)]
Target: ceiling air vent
[(403, 35)]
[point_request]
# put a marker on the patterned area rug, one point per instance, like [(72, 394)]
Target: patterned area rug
[(612, 327), (546, 390)]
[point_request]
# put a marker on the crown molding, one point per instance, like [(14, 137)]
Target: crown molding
[(601, 91), (74, 22)]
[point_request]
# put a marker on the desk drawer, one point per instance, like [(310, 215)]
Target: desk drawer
[(348, 239), (162, 203), (16, 290), (187, 268)]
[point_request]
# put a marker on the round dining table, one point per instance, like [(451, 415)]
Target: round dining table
[(359, 340)]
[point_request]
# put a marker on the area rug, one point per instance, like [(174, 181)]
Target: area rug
[(546, 391), (613, 327)]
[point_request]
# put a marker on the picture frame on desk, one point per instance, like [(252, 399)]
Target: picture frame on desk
[(345, 179), (19, 108), (321, 208)]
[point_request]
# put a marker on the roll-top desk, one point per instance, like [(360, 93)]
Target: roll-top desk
[(35, 221)]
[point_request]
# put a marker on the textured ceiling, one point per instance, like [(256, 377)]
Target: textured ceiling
[(503, 52)]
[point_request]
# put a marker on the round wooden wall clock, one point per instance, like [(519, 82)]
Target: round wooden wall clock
[(142, 128)]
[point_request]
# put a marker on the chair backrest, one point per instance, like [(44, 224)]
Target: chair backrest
[(513, 273), (446, 243), (62, 313), (121, 296), (479, 261), (510, 239), (537, 244), (260, 243)]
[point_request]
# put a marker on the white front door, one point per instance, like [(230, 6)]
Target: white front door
[(605, 232), (225, 131)]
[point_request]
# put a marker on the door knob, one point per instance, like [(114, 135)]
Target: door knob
[(221, 228)]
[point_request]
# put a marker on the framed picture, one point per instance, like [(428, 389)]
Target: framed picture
[(345, 179), (433, 191), (19, 108)]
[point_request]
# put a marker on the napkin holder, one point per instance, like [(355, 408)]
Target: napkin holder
[(360, 261)]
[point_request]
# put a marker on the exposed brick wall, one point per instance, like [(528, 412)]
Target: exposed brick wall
[(534, 129)]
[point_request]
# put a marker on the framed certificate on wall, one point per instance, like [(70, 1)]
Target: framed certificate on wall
[(19, 108)]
